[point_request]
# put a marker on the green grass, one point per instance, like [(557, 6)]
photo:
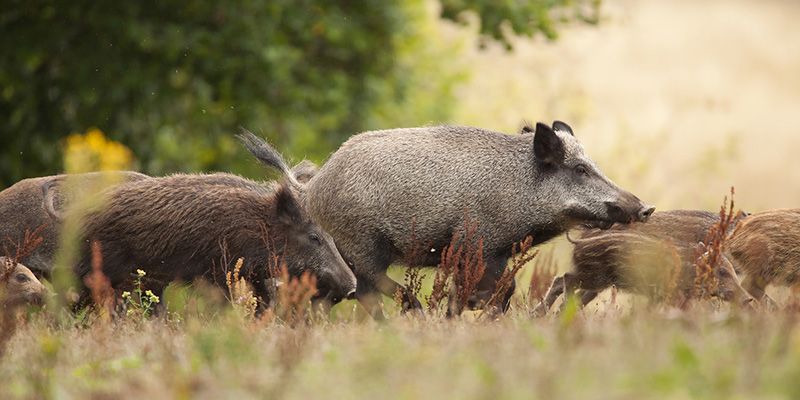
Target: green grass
[(607, 351)]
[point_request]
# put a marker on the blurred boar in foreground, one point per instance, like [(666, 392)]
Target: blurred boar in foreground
[(685, 227), (650, 258), (384, 194), (21, 210)]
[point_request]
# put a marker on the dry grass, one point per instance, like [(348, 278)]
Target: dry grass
[(292, 296), (240, 291), (521, 255), (542, 273), (710, 254), (103, 295), (645, 354), (457, 275), (19, 250)]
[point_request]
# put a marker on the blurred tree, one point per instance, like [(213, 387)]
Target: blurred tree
[(501, 19), (173, 80)]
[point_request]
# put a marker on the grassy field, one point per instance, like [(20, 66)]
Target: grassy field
[(608, 352)]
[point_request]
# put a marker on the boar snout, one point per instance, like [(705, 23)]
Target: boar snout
[(627, 211), (36, 299), (729, 287), (337, 286), (645, 213)]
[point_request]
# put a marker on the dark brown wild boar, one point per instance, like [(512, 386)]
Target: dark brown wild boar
[(652, 266), (21, 211), (183, 227), (765, 247)]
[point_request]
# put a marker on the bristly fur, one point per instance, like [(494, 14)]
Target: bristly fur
[(182, 227), (766, 247)]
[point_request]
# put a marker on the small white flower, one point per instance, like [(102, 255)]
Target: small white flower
[(140, 273)]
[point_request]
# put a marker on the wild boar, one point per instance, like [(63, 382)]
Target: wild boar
[(18, 285), (687, 227), (765, 247), (182, 227), (21, 210), (638, 263), (383, 194)]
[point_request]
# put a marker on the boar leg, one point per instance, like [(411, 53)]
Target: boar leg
[(571, 284), (389, 287), (368, 293), (587, 296), (756, 286), (495, 266), (555, 290), (370, 270)]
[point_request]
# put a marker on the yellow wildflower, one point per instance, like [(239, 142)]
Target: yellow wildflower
[(153, 298), (94, 152)]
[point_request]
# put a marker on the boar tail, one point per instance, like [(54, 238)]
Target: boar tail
[(267, 155), (48, 199)]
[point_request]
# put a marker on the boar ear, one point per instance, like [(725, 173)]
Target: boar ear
[(547, 146), (304, 171), (561, 126), (287, 208)]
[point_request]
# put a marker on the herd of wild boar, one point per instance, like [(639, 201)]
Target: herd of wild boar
[(377, 200)]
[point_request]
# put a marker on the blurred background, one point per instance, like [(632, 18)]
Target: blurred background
[(676, 101)]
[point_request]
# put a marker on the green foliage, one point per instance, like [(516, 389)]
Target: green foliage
[(499, 19), (174, 80)]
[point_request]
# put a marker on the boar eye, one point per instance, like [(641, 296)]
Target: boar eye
[(314, 238), (21, 278), (581, 169)]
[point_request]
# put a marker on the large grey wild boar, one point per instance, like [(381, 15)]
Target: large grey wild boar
[(21, 211), (183, 227), (651, 258), (383, 194), (765, 246)]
